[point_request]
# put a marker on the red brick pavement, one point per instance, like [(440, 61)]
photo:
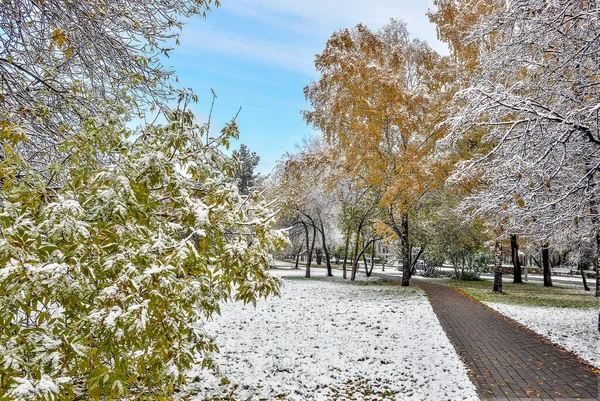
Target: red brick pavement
[(506, 360)]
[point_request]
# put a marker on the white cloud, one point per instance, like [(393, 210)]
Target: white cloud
[(326, 16), (271, 52), (287, 34)]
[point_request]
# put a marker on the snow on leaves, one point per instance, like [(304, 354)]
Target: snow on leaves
[(106, 282)]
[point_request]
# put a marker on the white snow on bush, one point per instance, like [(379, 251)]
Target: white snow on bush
[(329, 339), (576, 330)]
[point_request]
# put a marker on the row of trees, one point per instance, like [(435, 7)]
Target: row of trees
[(496, 141)]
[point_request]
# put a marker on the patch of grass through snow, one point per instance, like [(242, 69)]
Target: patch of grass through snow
[(532, 294)]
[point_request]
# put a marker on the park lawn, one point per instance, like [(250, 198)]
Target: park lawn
[(326, 338), (530, 294)]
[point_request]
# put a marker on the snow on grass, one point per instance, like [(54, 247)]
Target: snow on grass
[(576, 330), (329, 339)]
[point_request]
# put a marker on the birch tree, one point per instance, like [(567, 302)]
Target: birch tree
[(376, 103)]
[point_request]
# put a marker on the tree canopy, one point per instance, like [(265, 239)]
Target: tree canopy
[(117, 242), (377, 102)]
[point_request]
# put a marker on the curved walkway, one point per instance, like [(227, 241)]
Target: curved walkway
[(507, 361)]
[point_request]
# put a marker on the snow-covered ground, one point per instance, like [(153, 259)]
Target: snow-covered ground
[(574, 329), (328, 339)]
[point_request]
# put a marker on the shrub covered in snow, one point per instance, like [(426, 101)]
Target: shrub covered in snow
[(106, 281)]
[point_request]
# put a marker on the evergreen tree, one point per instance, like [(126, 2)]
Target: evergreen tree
[(244, 174)]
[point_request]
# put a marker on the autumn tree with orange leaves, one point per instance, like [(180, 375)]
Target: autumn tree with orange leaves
[(379, 102)]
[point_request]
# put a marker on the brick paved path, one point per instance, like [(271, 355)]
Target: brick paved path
[(507, 360)]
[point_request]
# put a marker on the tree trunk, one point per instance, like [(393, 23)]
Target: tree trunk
[(308, 249), (585, 285), (312, 247), (372, 261), (497, 267), (598, 279), (326, 250), (298, 257), (372, 256), (346, 253), (595, 220), (546, 265), (367, 272), (355, 257), (319, 253), (598, 263), (406, 256), (413, 267), (514, 247)]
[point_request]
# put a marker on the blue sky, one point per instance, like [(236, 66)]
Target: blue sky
[(258, 54)]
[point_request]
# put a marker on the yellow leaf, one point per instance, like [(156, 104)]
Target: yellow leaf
[(59, 38)]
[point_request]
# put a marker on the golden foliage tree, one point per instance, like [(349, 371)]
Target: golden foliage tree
[(379, 102), (455, 22)]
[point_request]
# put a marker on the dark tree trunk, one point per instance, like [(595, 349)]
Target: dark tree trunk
[(319, 253), (585, 285), (346, 253), (413, 268), (298, 257), (310, 246), (597, 262), (326, 250), (514, 247), (498, 267), (372, 262), (372, 256), (367, 272), (546, 265), (308, 250), (406, 255), (355, 257), (595, 220)]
